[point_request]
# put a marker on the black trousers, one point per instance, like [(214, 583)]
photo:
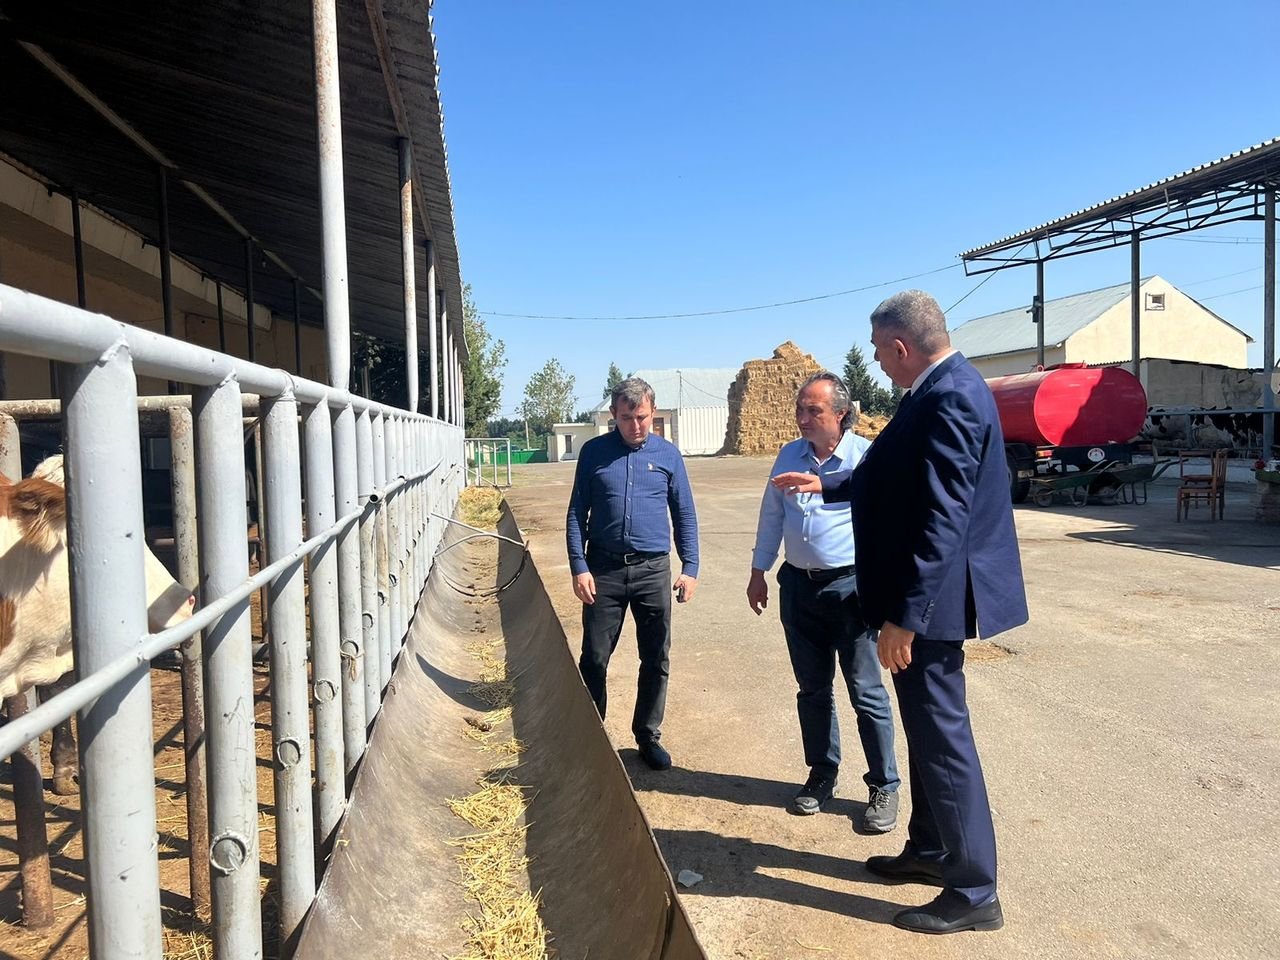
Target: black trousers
[(645, 588)]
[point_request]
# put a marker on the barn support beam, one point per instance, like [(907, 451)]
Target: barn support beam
[(410, 280), (433, 332), (333, 216), (1135, 304), (1037, 313), (1269, 323), (248, 299), (108, 619)]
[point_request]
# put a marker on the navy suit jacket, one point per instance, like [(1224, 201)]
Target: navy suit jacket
[(932, 519)]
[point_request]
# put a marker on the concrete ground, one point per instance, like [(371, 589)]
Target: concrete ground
[(1128, 734)]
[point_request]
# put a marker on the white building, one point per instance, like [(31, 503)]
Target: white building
[(1095, 328), (692, 411)]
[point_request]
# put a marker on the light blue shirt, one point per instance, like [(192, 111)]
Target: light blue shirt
[(818, 535)]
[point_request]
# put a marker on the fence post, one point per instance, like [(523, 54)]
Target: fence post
[(356, 657), (109, 618), (182, 466), (368, 566), (290, 716), (382, 653), (326, 656), (228, 662)]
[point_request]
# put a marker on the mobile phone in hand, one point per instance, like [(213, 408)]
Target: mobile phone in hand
[(678, 590)]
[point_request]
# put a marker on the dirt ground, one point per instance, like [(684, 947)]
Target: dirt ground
[(1126, 732), (68, 938)]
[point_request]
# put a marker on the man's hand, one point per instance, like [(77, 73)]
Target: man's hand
[(757, 591), (684, 587), (894, 647), (797, 482), (584, 587)]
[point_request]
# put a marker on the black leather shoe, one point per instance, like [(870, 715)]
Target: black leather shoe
[(951, 913), (817, 790), (655, 755), (906, 868)]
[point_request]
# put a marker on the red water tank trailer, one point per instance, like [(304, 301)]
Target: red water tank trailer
[(1070, 405)]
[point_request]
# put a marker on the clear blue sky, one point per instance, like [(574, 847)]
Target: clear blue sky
[(621, 159)]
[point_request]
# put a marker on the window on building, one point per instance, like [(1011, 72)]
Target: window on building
[(1155, 301)]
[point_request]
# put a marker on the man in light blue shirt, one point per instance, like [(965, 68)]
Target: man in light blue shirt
[(820, 614)]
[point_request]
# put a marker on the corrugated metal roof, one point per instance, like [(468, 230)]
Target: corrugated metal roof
[(225, 91), (1012, 330), (1251, 165), (687, 387)]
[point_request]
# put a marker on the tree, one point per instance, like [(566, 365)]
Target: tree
[(863, 387), (548, 397), (482, 371), (615, 378)]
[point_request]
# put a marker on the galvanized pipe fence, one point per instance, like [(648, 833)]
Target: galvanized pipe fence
[(343, 582)]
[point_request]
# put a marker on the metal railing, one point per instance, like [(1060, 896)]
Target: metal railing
[(370, 477), (484, 452)]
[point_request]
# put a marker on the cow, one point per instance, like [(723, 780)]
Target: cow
[(38, 651)]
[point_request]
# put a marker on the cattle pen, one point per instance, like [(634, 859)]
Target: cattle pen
[(142, 129)]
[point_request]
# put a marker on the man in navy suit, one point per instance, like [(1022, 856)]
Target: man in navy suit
[(937, 564)]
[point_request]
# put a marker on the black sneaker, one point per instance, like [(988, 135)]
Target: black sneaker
[(881, 814), (655, 755), (817, 790)]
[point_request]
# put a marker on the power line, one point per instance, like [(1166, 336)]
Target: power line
[(1230, 292), (1223, 276), (716, 313)]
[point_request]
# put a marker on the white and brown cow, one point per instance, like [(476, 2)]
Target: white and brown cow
[(35, 603)]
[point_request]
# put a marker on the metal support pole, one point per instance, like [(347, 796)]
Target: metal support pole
[(182, 467), (297, 326), (1038, 313), (368, 569), (355, 655), (433, 332), (333, 217), (386, 621), (228, 659), (462, 393), (1135, 302), (248, 299), (77, 236), (222, 318), (446, 369), (290, 720), (1269, 323), (326, 655), (410, 281), (26, 765), (166, 258), (109, 618)]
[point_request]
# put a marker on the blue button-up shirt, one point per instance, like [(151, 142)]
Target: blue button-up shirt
[(621, 496), (818, 535)]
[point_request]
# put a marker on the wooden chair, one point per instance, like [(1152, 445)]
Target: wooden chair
[(1199, 482)]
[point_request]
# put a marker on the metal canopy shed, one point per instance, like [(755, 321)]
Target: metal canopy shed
[(1241, 186), (220, 96)]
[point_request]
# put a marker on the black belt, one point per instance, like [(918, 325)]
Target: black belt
[(824, 576), (629, 559)]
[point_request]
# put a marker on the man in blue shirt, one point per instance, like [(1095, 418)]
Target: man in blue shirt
[(619, 543), (820, 611)]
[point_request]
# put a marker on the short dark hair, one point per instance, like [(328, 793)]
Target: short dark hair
[(840, 400), (634, 391), (915, 318)]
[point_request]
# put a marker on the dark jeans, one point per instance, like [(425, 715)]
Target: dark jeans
[(645, 587), (823, 624), (950, 814)]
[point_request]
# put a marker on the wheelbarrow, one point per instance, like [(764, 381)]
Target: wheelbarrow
[(1129, 476), (1076, 488)]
